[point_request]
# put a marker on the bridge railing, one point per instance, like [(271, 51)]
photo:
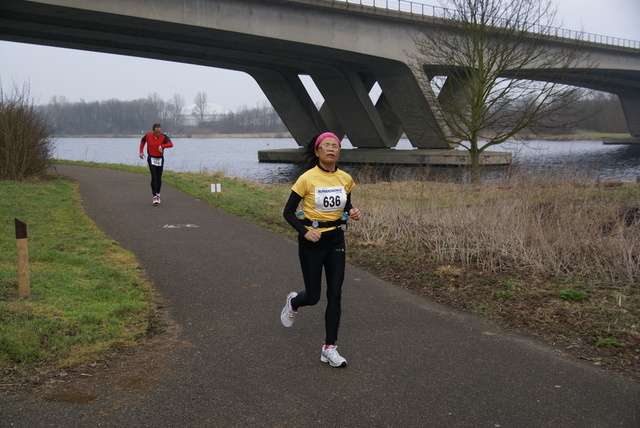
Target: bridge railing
[(442, 12)]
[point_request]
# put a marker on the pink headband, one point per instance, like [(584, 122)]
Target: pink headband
[(326, 135)]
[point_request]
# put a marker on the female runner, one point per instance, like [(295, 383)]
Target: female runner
[(325, 192)]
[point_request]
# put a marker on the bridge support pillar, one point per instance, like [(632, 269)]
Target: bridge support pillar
[(288, 96), (631, 107), (414, 104), (346, 94)]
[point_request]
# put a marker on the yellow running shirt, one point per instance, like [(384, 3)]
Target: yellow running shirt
[(324, 194)]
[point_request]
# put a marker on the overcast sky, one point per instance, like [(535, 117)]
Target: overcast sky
[(95, 76)]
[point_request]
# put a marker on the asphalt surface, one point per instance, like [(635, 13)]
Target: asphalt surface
[(412, 362)]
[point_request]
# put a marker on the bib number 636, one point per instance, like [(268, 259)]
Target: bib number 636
[(331, 201), (330, 198)]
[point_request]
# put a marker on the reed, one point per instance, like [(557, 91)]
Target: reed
[(545, 226)]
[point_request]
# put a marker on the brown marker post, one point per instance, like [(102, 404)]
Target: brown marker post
[(23, 258)]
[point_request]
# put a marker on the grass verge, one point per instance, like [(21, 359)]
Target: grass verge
[(88, 296)]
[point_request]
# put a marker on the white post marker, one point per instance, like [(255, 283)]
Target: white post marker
[(215, 188)]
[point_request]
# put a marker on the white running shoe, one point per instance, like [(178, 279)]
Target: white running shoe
[(158, 195), (156, 201), (330, 355), (288, 314)]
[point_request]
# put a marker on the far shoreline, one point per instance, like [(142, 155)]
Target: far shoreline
[(254, 135), (583, 135)]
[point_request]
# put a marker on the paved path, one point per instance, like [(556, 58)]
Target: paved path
[(412, 363)]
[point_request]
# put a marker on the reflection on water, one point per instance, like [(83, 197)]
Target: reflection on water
[(238, 157), (580, 159)]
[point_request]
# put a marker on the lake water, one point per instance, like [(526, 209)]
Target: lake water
[(238, 157)]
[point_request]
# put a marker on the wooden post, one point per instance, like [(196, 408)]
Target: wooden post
[(23, 258)]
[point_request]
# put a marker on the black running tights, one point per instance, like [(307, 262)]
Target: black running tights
[(156, 176), (328, 253)]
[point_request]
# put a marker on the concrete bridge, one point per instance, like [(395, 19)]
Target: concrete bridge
[(346, 48)]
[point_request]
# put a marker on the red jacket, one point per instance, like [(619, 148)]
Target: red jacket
[(153, 143)]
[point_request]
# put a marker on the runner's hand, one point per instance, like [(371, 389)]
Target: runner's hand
[(313, 236), (354, 213)]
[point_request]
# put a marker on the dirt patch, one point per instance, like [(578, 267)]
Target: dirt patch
[(124, 370), (597, 330)]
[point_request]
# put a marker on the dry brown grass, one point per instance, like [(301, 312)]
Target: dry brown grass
[(560, 228)]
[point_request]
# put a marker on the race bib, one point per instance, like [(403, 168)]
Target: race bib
[(330, 198), (156, 161)]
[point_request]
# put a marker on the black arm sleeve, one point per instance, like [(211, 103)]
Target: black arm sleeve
[(290, 213), (348, 206)]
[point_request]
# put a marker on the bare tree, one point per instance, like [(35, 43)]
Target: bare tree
[(154, 109), (601, 112), (201, 105), (175, 106), (496, 72)]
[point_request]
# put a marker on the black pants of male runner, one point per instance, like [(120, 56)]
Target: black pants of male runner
[(156, 176), (327, 254)]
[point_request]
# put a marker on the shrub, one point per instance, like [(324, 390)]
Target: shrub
[(571, 294), (25, 145), (504, 294), (610, 342)]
